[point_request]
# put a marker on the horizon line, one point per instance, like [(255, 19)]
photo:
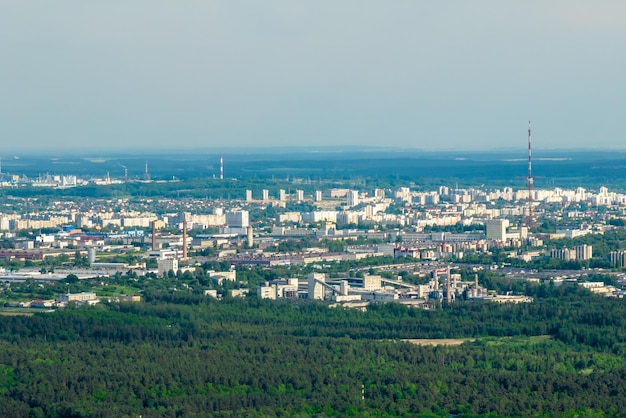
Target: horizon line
[(331, 149)]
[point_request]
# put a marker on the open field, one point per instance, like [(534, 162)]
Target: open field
[(16, 313), (439, 341), (492, 341)]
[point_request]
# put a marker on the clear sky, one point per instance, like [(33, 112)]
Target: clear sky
[(84, 75)]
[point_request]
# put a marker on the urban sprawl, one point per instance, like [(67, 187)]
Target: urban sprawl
[(418, 248)]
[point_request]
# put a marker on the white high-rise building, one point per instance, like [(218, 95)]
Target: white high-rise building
[(584, 252), (282, 195), (496, 229), (248, 195), (4, 223), (266, 194), (167, 264), (318, 195), (353, 198), (404, 194), (618, 258), (299, 195)]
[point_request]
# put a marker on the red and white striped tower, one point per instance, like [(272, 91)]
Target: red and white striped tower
[(530, 179), (221, 167)]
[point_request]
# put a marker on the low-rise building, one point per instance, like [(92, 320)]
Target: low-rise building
[(78, 298)]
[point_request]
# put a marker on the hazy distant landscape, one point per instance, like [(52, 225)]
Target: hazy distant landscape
[(312, 209), (550, 168)]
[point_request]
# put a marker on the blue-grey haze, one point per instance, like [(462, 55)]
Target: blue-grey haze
[(153, 74)]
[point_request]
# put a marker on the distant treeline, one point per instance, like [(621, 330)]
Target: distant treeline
[(361, 169)]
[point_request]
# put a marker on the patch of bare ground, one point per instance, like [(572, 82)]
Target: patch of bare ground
[(439, 341)]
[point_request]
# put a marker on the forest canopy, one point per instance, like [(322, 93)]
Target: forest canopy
[(191, 355)]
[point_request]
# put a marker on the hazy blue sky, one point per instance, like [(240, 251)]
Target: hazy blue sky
[(421, 74)]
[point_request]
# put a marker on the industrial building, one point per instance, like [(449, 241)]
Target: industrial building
[(237, 219), (78, 298), (443, 286)]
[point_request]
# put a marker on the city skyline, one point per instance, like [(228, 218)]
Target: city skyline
[(205, 75)]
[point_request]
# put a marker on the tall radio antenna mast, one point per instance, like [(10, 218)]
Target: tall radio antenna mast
[(530, 179)]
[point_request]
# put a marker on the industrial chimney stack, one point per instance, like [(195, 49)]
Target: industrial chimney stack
[(448, 288), (184, 240)]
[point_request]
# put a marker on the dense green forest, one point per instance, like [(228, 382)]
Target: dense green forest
[(188, 355)]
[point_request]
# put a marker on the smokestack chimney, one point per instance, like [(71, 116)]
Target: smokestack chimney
[(250, 237), (448, 288), (184, 240), (153, 235)]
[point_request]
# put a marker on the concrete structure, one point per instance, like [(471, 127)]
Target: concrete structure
[(184, 240), (314, 287), (335, 193), (237, 219), (496, 229), (238, 293), (266, 292), (295, 217), (348, 218), (584, 252), (319, 216), (91, 255), (510, 299), (153, 236), (618, 258), (352, 198), (250, 237), (167, 264), (83, 297), (372, 282), (278, 289), (580, 252), (230, 275), (129, 298)]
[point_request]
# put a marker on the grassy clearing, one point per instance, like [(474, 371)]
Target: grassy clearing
[(110, 290), (491, 341), (517, 340), (439, 341)]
